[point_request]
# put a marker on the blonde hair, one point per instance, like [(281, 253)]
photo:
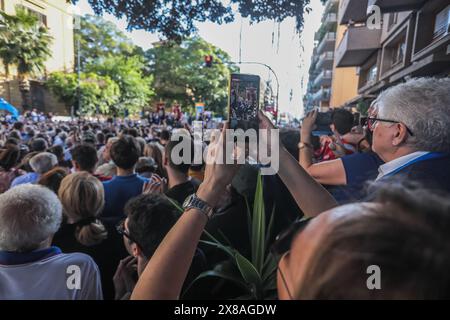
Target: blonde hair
[(83, 198)]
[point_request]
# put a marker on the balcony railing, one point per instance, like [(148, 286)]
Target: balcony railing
[(323, 78), (326, 60), (327, 43), (357, 45), (330, 18), (396, 5), (323, 94), (355, 10)]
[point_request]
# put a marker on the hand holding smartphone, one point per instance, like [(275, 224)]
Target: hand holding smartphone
[(243, 108)]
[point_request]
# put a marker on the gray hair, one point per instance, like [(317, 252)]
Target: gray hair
[(29, 214), (423, 105), (43, 162)]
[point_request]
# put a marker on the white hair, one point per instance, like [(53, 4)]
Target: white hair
[(29, 214), (43, 162), (423, 105)]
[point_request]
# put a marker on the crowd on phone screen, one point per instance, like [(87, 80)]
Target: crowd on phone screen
[(101, 201)]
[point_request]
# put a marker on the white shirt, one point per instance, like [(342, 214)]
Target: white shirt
[(393, 165), (48, 279)]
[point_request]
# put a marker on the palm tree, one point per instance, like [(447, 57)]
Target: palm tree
[(25, 43)]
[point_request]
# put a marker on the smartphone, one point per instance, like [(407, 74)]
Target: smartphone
[(323, 122), (243, 108)]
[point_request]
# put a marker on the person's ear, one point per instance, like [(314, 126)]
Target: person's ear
[(332, 127), (134, 249), (400, 135), (75, 165)]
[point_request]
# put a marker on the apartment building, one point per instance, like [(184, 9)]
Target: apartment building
[(329, 86), (321, 72), (413, 40), (57, 16)]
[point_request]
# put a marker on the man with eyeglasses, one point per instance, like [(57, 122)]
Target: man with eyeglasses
[(149, 219), (411, 132)]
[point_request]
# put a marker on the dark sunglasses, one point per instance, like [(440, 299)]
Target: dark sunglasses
[(120, 228), (371, 122), (283, 241), (282, 246)]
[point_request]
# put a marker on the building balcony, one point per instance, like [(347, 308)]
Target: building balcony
[(331, 5), (326, 60), (323, 79), (330, 21), (327, 43), (353, 10), (396, 5), (323, 94), (357, 45)]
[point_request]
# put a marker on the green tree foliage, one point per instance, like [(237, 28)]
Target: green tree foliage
[(113, 79), (180, 73), (24, 43), (99, 94), (176, 19), (135, 88), (100, 39)]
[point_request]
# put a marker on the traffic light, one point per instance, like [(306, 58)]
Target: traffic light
[(208, 61)]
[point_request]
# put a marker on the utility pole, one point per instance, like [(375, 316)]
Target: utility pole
[(79, 77)]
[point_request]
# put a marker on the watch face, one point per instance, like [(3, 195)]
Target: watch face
[(187, 201)]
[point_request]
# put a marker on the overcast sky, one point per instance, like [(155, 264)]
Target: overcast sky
[(289, 55)]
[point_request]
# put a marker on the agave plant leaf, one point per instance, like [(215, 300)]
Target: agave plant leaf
[(250, 274), (230, 276), (258, 227), (270, 267), (270, 227)]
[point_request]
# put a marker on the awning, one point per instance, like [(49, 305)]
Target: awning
[(4, 105)]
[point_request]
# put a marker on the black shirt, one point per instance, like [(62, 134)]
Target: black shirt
[(106, 254), (181, 191)]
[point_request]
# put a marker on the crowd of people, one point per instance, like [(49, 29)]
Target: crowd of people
[(103, 210)]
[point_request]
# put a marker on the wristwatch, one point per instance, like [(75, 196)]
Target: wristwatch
[(194, 202), (303, 145)]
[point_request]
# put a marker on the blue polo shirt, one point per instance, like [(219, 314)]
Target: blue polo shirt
[(360, 168), (118, 191), (31, 177)]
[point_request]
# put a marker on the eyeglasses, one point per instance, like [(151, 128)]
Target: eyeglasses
[(282, 245), (371, 123), (120, 228)]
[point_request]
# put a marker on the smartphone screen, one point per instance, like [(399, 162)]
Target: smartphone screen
[(244, 101)]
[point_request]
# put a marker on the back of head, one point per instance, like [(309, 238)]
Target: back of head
[(343, 121), (29, 215), (58, 151), (18, 126), (85, 156), (53, 179), (43, 162), (423, 105), (164, 135), (82, 197), (125, 152), (38, 145), (150, 218), (9, 157), (145, 165), (405, 235), (180, 154)]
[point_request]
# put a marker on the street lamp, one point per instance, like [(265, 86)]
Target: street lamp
[(276, 78)]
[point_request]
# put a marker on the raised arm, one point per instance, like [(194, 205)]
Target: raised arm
[(166, 271), (309, 195)]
